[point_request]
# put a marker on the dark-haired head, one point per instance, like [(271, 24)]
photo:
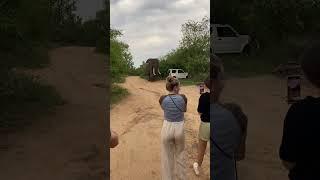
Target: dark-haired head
[(207, 82), (310, 63)]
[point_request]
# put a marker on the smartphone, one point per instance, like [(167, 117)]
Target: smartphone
[(294, 88), (201, 88)]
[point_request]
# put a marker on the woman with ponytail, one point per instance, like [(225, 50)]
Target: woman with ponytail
[(174, 106)]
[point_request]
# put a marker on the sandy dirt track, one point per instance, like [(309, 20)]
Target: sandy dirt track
[(68, 145), (138, 120), (263, 100)]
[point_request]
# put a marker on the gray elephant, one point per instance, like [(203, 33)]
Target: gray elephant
[(152, 69)]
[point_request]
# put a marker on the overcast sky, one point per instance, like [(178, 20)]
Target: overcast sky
[(152, 27), (88, 8)]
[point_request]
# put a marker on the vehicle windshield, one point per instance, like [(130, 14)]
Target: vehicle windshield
[(226, 32)]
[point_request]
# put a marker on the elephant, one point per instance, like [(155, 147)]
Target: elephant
[(152, 69)]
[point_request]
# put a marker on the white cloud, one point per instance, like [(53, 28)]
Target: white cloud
[(152, 28)]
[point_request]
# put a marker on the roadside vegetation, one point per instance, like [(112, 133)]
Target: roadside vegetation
[(282, 27), (26, 38), (118, 93), (121, 65)]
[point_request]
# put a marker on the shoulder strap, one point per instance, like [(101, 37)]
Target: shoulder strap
[(175, 103), (242, 121)]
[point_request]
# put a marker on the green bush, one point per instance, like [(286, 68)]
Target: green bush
[(117, 94), (192, 54), (120, 56), (265, 62), (24, 34), (22, 94)]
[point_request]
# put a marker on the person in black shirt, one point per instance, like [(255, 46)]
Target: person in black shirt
[(204, 129), (300, 147)]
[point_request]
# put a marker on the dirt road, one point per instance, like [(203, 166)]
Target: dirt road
[(138, 119), (67, 145), (263, 100)]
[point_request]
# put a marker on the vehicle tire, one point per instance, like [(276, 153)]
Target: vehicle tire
[(187, 77)]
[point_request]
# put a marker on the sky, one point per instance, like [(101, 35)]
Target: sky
[(152, 27), (87, 8)]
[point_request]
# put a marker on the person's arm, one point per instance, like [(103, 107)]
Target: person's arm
[(186, 102), (200, 105), (243, 124), (114, 140), (288, 149), (161, 99), (288, 165)]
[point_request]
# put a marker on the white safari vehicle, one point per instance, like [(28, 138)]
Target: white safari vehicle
[(225, 39), (178, 73)]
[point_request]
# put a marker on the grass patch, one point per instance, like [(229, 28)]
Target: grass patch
[(184, 82), (118, 79), (188, 82), (24, 97), (238, 65), (194, 80), (142, 76), (117, 93)]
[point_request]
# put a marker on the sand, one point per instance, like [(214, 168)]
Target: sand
[(138, 120)]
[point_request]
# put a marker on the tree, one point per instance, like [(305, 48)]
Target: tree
[(63, 21), (196, 34), (269, 20), (103, 30), (120, 56), (192, 53), (62, 11), (23, 28)]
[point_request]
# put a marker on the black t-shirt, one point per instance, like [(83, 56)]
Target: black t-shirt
[(204, 107), (301, 139)]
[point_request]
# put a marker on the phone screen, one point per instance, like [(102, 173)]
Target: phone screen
[(294, 88)]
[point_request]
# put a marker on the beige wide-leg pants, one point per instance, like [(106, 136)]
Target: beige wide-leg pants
[(172, 150)]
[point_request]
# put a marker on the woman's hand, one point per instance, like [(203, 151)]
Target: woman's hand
[(114, 139), (288, 165)]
